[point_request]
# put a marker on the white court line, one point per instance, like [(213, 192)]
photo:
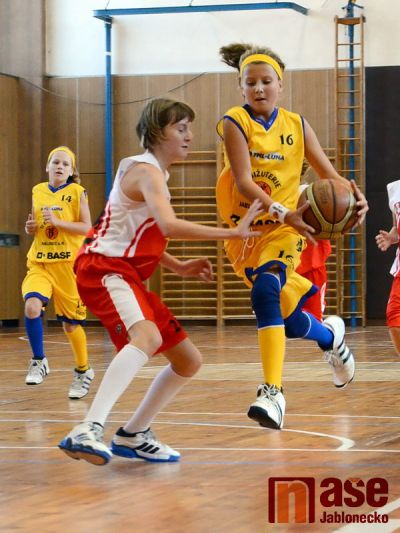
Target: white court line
[(200, 346), (205, 413), (389, 507), (234, 365), (107, 344), (319, 361), (60, 332), (66, 342), (214, 449), (345, 445), (323, 450)]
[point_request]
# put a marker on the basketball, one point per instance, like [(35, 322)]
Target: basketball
[(332, 211)]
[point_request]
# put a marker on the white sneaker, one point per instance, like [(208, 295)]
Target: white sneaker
[(38, 369), (85, 441), (143, 445), (269, 408), (81, 384), (339, 357)]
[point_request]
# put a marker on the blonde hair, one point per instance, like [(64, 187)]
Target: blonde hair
[(156, 115), (234, 54), (75, 174)]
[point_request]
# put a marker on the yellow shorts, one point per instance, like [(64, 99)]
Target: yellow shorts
[(281, 245), (57, 280)]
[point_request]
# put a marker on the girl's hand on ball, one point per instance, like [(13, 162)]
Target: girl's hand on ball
[(295, 219), (362, 204)]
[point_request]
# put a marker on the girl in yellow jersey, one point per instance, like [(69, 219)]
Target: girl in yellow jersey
[(264, 148), (59, 220)]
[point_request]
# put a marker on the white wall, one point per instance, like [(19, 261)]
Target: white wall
[(189, 43)]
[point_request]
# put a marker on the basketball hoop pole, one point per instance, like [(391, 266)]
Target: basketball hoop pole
[(108, 115)]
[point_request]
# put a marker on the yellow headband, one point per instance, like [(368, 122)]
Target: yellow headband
[(261, 58), (67, 151)]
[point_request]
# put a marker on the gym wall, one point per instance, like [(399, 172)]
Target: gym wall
[(32, 120), (382, 167)]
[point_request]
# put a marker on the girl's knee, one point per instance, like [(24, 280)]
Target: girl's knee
[(69, 328), (195, 364), (33, 308), (145, 336), (188, 364), (265, 299)]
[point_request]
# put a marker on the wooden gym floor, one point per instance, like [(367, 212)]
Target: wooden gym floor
[(221, 483)]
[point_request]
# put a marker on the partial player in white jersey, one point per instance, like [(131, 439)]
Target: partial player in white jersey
[(384, 240)]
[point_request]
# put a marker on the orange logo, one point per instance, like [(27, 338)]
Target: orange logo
[(291, 496), (51, 232), (264, 186)]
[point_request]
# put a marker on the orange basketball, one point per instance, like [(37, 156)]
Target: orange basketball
[(332, 211)]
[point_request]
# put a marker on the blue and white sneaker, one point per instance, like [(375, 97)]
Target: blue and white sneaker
[(81, 384), (339, 357), (142, 445), (38, 370), (269, 408), (85, 441)]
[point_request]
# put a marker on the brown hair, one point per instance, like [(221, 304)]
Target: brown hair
[(157, 114), (234, 54)]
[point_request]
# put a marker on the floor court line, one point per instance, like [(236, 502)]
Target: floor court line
[(206, 413), (216, 449), (345, 442)]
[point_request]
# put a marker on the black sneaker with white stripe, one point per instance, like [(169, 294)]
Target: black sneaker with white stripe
[(142, 445)]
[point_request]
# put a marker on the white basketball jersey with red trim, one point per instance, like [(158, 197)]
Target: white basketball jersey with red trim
[(126, 228), (394, 205)]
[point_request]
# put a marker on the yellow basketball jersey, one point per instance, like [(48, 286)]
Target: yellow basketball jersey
[(50, 243), (276, 149)]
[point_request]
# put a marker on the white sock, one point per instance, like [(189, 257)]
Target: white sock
[(161, 391), (123, 368)]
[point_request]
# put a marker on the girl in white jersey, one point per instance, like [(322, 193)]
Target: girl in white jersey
[(384, 240), (120, 253)]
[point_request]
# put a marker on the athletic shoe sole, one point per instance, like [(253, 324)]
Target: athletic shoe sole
[(76, 397), (124, 451), (344, 384), (260, 416), (95, 457)]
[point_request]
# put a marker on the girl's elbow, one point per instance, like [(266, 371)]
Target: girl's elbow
[(169, 228)]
